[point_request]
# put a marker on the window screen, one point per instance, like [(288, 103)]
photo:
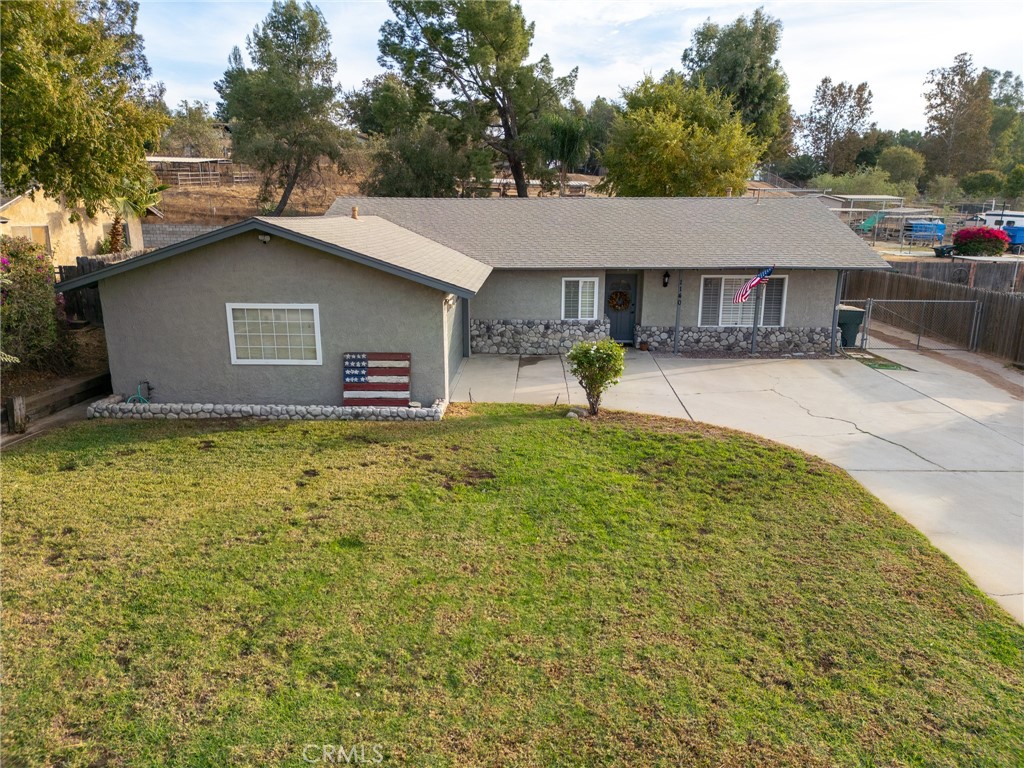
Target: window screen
[(579, 298), (279, 334)]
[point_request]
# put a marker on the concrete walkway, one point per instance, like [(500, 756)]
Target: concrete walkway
[(943, 447)]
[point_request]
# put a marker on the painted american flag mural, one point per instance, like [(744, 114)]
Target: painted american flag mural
[(376, 378)]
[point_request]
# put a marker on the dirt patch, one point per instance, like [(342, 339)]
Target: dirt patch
[(91, 360), (230, 203)]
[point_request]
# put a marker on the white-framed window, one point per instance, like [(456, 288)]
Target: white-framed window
[(717, 309), (579, 298), (274, 334)]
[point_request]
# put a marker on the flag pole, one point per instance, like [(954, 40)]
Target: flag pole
[(757, 312)]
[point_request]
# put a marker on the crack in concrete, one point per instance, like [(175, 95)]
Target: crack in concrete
[(1005, 594), (853, 424), (667, 381)]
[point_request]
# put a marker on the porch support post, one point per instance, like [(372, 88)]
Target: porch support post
[(679, 311), (466, 345), (835, 311)]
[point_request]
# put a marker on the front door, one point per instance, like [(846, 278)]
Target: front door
[(620, 306)]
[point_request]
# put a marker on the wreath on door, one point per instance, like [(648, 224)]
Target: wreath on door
[(619, 301)]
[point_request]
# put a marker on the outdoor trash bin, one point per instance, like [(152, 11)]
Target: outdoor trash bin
[(850, 319), (943, 251)]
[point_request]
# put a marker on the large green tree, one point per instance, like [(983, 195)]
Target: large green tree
[(422, 162), (1007, 131), (74, 117), (386, 104), (600, 117), (739, 59), (832, 128), (958, 106), (674, 139), (192, 132), (902, 164), (476, 52), (283, 110)]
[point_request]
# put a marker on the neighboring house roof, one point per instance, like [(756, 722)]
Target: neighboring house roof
[(6, 200), (629, 232), (371, 241)]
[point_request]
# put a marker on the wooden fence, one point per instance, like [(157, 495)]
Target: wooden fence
[(990, 276), (1001, 327), (84, 303)]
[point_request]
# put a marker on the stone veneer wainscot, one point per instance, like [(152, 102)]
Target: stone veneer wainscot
[(660, 338), (533, 337)]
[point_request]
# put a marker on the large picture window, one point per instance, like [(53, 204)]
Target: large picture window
[(579, 298), (274, 334), (717, 309)]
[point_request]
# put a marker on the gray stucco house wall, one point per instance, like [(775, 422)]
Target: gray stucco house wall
[(166, 323)]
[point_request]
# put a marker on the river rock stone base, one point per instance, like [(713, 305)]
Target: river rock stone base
[(660, 338), (533, 337), (114, 407)]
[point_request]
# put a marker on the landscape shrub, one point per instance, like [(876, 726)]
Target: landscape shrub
[(866, 181), (597, 366), (980, 241), (32, 317), (983, 183)]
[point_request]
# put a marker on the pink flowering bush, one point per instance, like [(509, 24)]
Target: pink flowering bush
[(980, 241), (32, 319)]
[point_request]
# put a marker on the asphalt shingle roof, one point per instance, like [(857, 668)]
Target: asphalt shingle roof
[(635, 233), (371, 240), (385, 242)]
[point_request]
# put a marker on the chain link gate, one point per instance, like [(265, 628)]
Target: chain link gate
[(919, 324)]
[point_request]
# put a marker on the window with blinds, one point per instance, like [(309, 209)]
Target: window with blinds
[(717, 309), (579, 298)]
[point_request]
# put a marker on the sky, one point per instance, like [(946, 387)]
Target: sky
[(890, 45)]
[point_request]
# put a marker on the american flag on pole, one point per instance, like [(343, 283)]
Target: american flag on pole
[(376, 378), (744, 292)]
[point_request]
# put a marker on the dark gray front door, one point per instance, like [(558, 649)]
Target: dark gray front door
[(620, 306)]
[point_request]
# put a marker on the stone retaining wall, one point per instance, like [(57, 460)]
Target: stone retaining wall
[(533, 337), (114, 407), (660, 338)]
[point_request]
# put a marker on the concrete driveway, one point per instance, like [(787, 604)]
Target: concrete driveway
[(941, 446)]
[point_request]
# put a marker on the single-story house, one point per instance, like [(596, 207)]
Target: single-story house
[(263, 311), (46, 221)]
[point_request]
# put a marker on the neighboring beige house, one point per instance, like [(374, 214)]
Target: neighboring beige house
[(45, 220)]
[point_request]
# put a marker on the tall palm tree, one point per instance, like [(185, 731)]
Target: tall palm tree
[(566, 141)]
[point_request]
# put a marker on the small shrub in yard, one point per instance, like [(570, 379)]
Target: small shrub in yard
[(980, 241), (31, 316), (597, 366)]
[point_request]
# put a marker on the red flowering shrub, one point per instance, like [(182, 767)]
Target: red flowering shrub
[(980, 241)]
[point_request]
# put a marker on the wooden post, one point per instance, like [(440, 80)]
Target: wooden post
[(16, 419)]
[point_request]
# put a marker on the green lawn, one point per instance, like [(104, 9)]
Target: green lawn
[(507, 587)]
